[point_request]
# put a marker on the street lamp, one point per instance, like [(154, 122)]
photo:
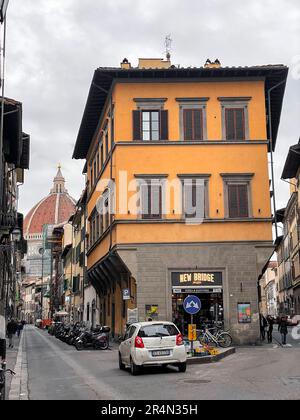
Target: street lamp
[(3, 8), (16, 235)]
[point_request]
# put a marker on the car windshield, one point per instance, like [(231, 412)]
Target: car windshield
[(158, 330)]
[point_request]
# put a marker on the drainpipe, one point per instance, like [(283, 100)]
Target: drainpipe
[(271, 151), (2, 67)]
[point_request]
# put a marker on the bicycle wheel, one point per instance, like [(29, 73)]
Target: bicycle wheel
[(224, 340)]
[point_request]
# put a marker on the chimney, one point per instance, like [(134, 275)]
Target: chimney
[(212, 65), (125, 64), (154, 63)]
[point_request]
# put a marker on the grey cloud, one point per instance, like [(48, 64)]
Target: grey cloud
[(54, 46)]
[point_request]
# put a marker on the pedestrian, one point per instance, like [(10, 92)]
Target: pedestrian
[(19, 328), (11, 329), (263, 326), (283, 328), (271, 322)]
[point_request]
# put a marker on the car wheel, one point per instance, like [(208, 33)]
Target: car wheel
[(121, 364), (135, 370), (182, 367)]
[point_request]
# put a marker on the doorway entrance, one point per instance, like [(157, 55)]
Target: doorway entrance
[(212, 309)]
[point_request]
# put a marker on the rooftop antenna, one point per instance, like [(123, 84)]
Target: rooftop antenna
[(168, 45)]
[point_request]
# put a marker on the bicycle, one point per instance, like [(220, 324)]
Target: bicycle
[(3, 372), (215, 335)]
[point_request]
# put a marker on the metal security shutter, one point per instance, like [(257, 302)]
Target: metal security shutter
[(164, 127), (137, 131)]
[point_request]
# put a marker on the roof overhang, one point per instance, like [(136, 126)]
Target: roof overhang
[(104, 79), (292, 163)]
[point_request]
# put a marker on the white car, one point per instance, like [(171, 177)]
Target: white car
[(152, 344)]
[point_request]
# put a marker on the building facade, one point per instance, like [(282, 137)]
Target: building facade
[(14, 159), (288, 249), (178, 198), (269, 287)]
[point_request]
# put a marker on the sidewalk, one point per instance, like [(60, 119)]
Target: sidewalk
[(11, 359)]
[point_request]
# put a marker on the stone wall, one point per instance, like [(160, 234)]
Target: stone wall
[(240, 263)]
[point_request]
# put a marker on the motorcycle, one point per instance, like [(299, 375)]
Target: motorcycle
[(97, 338)]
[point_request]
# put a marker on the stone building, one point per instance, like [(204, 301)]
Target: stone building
[(178, 197)]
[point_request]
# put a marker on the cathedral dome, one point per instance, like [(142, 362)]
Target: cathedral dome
[(54, 209)]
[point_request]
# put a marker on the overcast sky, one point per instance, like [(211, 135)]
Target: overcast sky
[(54, 46)]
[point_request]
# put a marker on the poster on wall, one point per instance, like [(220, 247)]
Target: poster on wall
[(132, 316), (151, 312), (244, 313)]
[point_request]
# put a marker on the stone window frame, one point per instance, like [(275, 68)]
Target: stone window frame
[(150, 104), (237, 102), (193, 103), (237, 179), (206, 178)]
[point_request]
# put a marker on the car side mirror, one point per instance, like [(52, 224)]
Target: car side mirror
[(121, 338)]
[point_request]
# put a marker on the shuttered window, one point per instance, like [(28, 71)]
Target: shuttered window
[(194, 198), (238, 202), (235, 124), (150, 125), (151, 199), (193, 124)]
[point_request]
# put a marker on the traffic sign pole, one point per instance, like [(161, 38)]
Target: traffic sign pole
[(192, 342)]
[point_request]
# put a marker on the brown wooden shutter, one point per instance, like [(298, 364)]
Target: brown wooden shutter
[(198, 124), (238, 204), (233, 201), (229, 123), (164, 128), (188, 124), (137, 131), (239, 124), (243, 200)]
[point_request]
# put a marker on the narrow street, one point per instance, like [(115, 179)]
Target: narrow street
[(57, 371)]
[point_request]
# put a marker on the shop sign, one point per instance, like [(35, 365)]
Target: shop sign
[(244, 313), (132, 315), (126, 294), (196, 278), (197, 290), (151, 312), (192, 332)]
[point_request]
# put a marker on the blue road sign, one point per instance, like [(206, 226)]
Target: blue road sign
[(192, 304), (126, 294)]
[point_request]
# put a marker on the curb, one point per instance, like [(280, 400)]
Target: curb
[(211, 359), (19, 383)]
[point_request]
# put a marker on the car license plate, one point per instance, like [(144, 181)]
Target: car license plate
[(161, 353)]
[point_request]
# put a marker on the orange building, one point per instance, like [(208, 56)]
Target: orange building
[(178, 189)]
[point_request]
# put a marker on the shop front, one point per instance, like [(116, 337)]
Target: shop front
[(208, 287)]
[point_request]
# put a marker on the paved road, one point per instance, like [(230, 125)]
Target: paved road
[(57, 371)]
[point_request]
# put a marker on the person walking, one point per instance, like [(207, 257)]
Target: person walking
[(20, 327), (283, 328), (11, 329), (270, 321), (263, 326)]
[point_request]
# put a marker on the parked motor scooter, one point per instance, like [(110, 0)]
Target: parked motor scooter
[(97, 338)]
